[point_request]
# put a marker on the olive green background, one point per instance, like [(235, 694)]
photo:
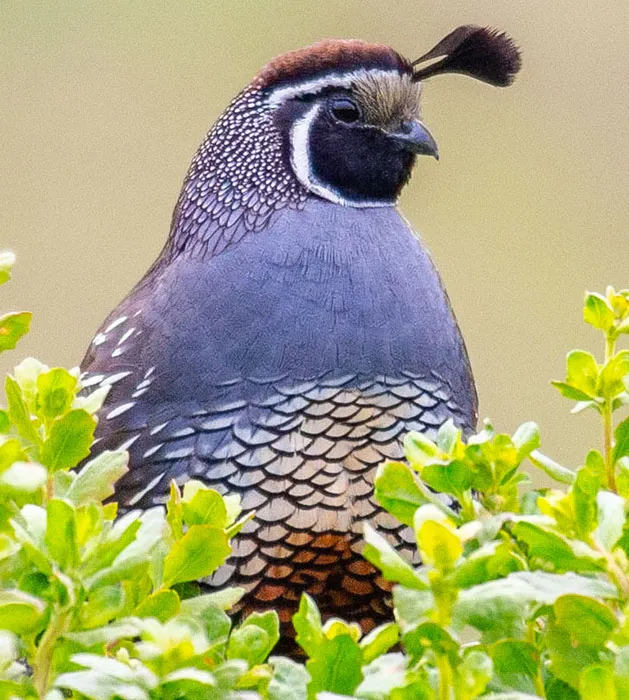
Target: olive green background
[(102, 105)]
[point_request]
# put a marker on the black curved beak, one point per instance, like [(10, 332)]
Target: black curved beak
[(415, 137)]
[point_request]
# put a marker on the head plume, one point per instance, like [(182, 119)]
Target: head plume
[(480, 52)]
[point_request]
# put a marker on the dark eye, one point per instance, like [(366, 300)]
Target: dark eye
[(344, 110)]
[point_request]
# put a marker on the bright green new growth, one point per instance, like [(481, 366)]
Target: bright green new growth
[(523, 593)]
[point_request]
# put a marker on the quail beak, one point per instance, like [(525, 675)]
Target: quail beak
[(413, 136)]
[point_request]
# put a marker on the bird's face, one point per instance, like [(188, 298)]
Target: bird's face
[(352, 138)]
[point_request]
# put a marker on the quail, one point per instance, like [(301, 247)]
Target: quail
[(294, 327)]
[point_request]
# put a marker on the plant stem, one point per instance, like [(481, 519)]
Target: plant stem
[(43, 657), (610, 349), (445, 677)]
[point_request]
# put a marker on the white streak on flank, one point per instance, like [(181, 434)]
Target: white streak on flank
[(117, 352), (144, 384), (99, 339), (158, 428), (138, 392), (153, 449), (91, 381), (137, 313), (184, 432), (179, 453), (136, 498), (115, 377), (148, 372), (126, 335), (280, 95), (300, 160), (127, 443), (115, 324), (119, 410)]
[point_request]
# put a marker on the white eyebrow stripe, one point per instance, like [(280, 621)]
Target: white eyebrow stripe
[(280, 95)]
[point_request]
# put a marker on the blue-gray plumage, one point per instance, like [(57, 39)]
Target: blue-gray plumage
[(294, 327)]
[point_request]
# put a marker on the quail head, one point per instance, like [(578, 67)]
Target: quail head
[(294, 327)]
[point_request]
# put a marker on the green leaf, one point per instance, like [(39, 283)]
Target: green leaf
[(18, 412), (491, 561), (255, 638), (203, 506), (588, 621), (335, 667), (22, 478), (224, 599), (108, 634), (611, 519), (381, 554), (379, 641), (307, 624), (582, 372), (568, 657), (526, 439), (102, 606), (453, 478), (421, 450), (476, 672), (418, 639), (448, 437), (584, 491), (551, 468), (174, 511), (197, 554), (551, 550), (7, 261), (289, 681), (621, 671), (96, 480), (396, 490), (412, 606), (12, 327), (92, 403), (10, 452), (387, 677), (61, 533), (597, 682), (438, 544), (55, 393), (500, 608), (161, 605), (611, 380), (189, 683), (5, 423), (69, 440), (597, 311), (621, 435), (516, 664), (20, 613)]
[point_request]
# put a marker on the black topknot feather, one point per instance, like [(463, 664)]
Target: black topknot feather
[(481, 52)]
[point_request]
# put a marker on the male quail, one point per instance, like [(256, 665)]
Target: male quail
[(294, 327)]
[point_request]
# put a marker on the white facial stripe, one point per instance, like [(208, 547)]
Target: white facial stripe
[(300, 161), (278, 96)]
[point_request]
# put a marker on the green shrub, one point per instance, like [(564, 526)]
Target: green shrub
[(522, 593)]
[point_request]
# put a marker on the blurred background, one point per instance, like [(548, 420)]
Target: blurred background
[(102, 105)]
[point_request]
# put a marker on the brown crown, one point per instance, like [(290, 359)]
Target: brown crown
[(338, 55)]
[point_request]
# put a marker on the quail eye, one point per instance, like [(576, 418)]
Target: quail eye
[(345, 110)]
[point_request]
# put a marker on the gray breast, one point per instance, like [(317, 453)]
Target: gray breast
[(286, 369)]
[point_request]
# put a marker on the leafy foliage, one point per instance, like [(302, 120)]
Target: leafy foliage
[(522, 593)]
